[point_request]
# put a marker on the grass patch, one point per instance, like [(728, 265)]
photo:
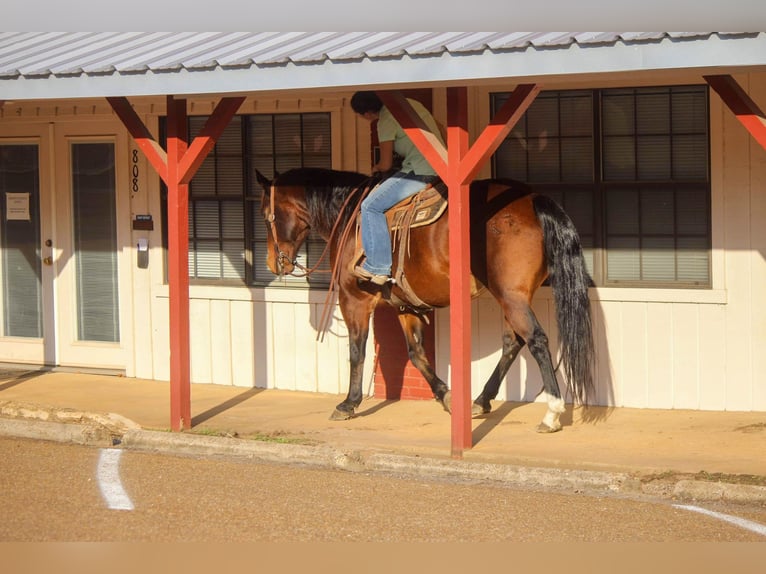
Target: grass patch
[(278, 437), (751, 479)]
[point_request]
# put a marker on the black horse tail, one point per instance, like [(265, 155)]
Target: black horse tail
[(569, 280)]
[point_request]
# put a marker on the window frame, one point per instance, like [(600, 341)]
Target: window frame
[(250, 200), (600, 186)]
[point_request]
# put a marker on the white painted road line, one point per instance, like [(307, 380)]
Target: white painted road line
[(108, 476), (741, 522)]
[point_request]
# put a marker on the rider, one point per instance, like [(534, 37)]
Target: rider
[(413, 176)]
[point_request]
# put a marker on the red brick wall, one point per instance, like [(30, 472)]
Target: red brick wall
[(395, 375)]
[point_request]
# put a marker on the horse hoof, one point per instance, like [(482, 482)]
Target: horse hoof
[(544, 428), (477, 410), (339, 415), (447, 401)]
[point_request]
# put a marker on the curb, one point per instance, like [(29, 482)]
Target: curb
[(108, 430), (83, 434)]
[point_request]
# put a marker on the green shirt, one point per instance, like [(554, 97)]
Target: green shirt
[(390, 130)]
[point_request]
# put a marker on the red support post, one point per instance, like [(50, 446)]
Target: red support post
[(457, 166), (178, 267), (460, 265), (176, 168)]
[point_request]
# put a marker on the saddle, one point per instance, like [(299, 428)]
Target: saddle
[(423, 208)]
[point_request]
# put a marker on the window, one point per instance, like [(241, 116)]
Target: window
[(631, 167), (227, 234)]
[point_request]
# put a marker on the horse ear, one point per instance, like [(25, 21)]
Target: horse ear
[(263, 180)]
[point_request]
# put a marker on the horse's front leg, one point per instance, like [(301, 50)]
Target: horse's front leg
[(356, 308), (357, 346)]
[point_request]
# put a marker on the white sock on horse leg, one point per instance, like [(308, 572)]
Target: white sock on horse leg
[(556, 406)]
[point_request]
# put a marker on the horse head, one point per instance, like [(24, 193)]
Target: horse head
[(287, 223)]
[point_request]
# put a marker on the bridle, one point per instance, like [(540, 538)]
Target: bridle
[(281, 256)]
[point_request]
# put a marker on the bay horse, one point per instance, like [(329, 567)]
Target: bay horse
[(518, 240)]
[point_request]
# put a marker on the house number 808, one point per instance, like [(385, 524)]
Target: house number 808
[(135, 171)]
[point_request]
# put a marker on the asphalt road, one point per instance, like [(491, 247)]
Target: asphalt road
[(62, 492)]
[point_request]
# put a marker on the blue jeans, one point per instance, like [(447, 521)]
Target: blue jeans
[(376, 239)]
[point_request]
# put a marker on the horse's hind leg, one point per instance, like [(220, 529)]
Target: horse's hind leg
[(413, 326), (523, 321), (512, 344)]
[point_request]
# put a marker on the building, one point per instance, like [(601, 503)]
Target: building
[(662, 177)]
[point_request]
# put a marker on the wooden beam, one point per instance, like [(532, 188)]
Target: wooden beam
[(497, 130), (736, 99), (142, 136), (426, 141), (205, 141)]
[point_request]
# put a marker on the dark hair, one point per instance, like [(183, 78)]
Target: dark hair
[(363, 102)]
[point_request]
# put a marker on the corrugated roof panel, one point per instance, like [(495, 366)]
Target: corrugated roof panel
[(271, 43), (126, 47), (162, 54), (235, 53), (280, 49), (141, 55), (473, 41), (79, 56), (355, 49), (433, 43), (552, 39), (37, 54), (513, 40), (394, 46), (641, 36), (177, 55), (119, 56), (317, 51)]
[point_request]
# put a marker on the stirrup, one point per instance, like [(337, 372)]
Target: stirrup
[(362, 273)]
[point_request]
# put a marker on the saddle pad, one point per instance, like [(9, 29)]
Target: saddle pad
[(428, 205)]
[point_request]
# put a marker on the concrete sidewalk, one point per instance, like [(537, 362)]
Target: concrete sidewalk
[(684, 454)]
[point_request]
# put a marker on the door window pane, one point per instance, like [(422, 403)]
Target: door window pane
[(20, 241), (95, 241)]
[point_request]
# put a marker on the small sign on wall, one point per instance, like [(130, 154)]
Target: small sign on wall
[(17, 207), (143, 222)]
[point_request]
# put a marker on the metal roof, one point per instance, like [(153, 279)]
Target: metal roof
[(41, 65)]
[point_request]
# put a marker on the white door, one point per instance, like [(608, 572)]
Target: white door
[(63, 237)]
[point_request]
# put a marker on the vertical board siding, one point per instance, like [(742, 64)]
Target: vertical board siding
[(635, 365), (659, 355), (739, 277), (220, 342), (712, 357), (200, 341), (248, 349), (686, 359), (757, 156)]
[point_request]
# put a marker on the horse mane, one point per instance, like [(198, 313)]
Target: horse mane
[(326, 191)]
